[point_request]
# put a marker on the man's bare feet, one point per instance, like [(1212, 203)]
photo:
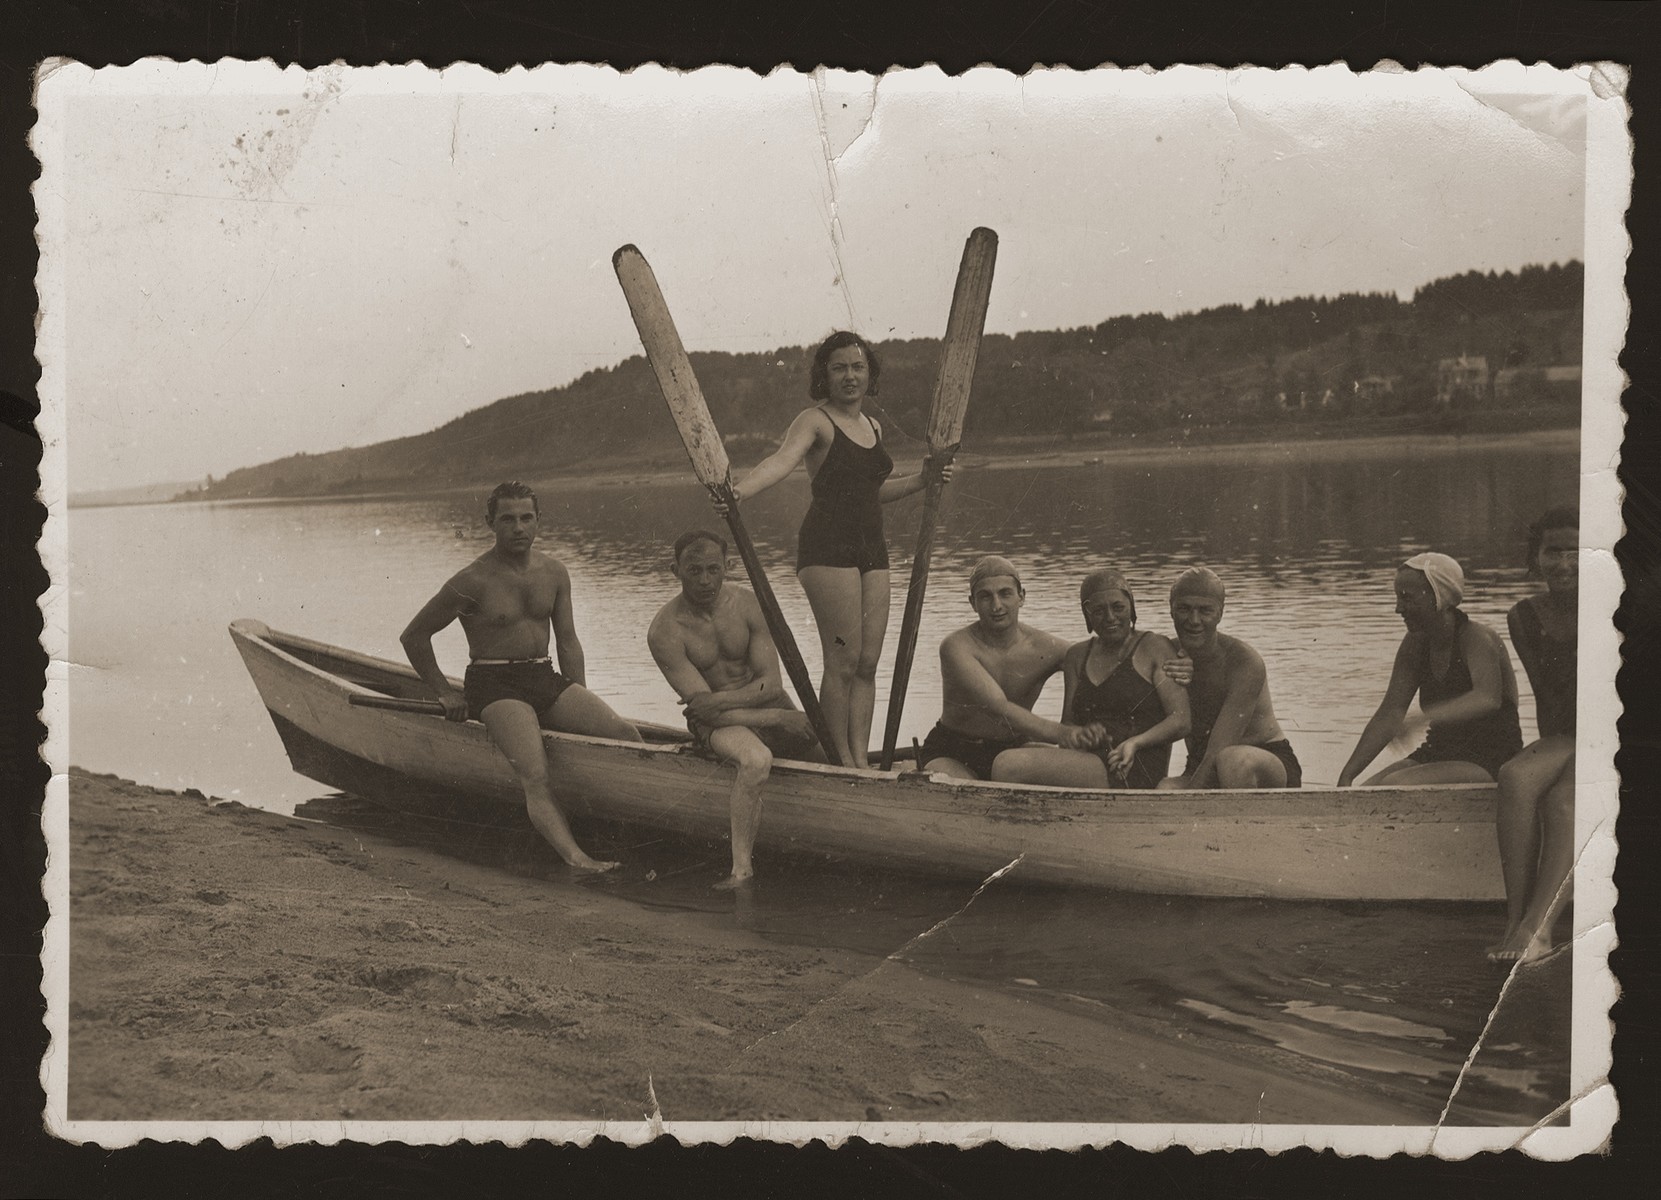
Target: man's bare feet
[(592, 865), (1493, 952), (735, 881)]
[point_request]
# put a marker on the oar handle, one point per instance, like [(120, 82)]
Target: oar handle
[(934, 488), (395, 703), (783, 640)]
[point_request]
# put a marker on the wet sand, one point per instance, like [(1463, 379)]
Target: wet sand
[(230, 963)]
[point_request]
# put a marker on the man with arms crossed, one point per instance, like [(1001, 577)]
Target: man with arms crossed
[(1235, 740), (507, 600), (991, 674), (712, 645)]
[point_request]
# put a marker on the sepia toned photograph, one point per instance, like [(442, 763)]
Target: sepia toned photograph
[(1047, 609)]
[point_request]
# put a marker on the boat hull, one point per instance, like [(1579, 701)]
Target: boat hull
[(1425, 843)]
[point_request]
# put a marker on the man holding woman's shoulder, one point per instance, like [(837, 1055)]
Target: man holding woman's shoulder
[(1117, 691), (1235, 740), (992, 672)]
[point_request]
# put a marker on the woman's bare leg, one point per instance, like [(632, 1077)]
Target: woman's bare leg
[(1408, 773), (1536, 832), (1523, 781), (1051, 765), (835, 595), (862, 692)]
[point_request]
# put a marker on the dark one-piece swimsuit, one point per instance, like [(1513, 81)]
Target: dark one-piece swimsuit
[(1127, 705), (843, 526), (1554, 695), (1487, 741)]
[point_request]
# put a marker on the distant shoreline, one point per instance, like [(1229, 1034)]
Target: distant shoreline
[(1296, 444)]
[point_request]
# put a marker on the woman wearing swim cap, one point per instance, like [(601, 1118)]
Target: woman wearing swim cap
[(1462, 675), (1115, 686)]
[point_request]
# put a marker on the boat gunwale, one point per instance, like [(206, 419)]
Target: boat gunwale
[(275, 642)]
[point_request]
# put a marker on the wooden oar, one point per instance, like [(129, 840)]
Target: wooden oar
[(709, 457), (951, 399), (395, 703)]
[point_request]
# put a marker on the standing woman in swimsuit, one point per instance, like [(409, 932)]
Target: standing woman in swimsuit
[(1115, 686), (841, 556), (1462, 675), (1536, 809)]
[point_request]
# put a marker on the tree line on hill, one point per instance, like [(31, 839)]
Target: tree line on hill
[(1273, 363)]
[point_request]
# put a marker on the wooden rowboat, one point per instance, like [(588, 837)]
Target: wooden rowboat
[(1410, 843)]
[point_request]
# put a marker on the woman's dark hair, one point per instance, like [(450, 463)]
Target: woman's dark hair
[(818, 384), (1563, 516)]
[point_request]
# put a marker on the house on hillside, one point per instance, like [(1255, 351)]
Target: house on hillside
[(1519, 386), (1462, 380), (1370, 389)]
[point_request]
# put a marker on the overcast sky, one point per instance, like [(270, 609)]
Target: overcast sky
[(256, 263)]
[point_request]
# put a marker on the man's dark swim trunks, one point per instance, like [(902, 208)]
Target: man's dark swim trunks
[(1281, 749), (782, 744), (973, 752), (532, 680)]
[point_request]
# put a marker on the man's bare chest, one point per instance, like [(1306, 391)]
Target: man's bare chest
[(709, 642), (508, 600)]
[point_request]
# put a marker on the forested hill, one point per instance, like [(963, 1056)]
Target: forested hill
[(1343, 357)]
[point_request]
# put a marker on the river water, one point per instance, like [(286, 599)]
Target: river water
[(1306, 536)]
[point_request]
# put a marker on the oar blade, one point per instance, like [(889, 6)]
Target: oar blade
[(672, 367), (709, 458), (962, 345)]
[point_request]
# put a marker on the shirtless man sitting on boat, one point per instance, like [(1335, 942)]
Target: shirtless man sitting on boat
[(712, 645), (1235, 740), (507, 600), (991, 674)]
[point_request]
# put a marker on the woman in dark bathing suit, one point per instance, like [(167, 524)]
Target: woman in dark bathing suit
[(1464, 681), (1116, 686), (1535, 819), (842, 558)]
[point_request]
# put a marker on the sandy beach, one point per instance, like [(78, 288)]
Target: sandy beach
[(230, 963)]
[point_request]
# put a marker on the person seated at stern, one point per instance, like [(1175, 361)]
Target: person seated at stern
[(1116, 689), (1235, 740), (1462, 675), (991, 673), (1535, 819), (507, 600), (712, 645)]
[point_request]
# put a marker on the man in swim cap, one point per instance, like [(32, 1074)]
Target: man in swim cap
[(992, 672), (1235, 740)]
